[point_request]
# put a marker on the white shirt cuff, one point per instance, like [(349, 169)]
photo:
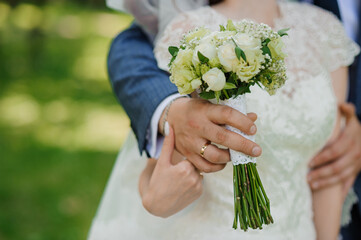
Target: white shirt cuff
[(155, 140)]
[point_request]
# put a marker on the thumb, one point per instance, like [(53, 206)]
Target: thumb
[(168, 145), (347, 110)]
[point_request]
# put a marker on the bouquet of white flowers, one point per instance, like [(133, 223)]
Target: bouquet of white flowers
[(223, 65)]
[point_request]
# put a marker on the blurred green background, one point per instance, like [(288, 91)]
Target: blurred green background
[(60, 125)]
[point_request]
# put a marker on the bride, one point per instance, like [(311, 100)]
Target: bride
[(293, 125)]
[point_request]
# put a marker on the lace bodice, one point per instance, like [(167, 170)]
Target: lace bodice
[(292, 126)]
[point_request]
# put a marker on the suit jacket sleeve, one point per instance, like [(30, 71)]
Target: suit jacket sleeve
[(138, 83)]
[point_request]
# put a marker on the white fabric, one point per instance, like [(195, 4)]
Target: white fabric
[(154, 15), (350, 10), (292, 126), (155, 140)]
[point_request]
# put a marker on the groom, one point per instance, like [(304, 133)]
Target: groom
[(338, 155), (145, 92)]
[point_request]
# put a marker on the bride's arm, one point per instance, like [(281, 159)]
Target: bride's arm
[(327, 202), (169, 184)]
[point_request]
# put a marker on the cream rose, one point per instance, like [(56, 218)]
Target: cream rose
[(227, 56), (247, 70), (245, 41), (208, 49), (183, 73), (215, 79)]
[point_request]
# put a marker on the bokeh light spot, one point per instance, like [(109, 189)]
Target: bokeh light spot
[(19, 110), (27, 16), (4, 13), (56, 112), (70, 27)]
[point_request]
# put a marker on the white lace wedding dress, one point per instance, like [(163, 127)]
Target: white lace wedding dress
[(292, 126)]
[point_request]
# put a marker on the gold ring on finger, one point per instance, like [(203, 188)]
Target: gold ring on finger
[(203, 149)]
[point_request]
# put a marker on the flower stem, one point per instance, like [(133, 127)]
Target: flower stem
[(251, 204)]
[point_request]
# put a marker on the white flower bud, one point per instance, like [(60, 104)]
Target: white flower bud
[(215, 79), (196, 83)]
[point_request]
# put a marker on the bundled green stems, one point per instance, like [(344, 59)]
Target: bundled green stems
[(251, 204)]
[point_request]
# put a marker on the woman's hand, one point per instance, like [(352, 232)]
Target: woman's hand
[(171, 187)]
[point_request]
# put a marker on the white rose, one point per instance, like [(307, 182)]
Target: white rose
[(227, 56), (207, 49), (215, 79), (246, 41)]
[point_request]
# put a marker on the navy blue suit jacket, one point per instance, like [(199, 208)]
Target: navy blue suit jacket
[(138, 83)]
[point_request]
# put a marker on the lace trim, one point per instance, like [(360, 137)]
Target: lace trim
[(240, 104)]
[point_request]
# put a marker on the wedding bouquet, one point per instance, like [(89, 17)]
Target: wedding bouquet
[(223, 65)]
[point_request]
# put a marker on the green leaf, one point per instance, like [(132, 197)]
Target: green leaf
[(171, 61), (266, 50), (283, 32), (266, 42), (259, 85), (233, 78), (230, 26), (222, 28), (240, 53), (269, 80), (202, 58), (229, 86), (243, 90), (173, 51), (207, 95)]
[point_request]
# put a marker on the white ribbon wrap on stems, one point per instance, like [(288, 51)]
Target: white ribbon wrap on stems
[(240, 104)]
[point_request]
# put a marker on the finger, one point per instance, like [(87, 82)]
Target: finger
[(232, 140), (212, 153), (326, 182), (186, 165), (252, 116), (333, 151), (348, 110), (216, 155), (329, 170), (168, 146), (226, 115), (203, 165)]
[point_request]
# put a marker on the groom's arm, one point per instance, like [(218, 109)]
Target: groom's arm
[(138, 83)]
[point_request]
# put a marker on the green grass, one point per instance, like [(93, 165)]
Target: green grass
[(60, 125)]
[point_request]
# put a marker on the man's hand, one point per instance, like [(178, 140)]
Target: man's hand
[(196, 122), (340, 160), (173, 185)]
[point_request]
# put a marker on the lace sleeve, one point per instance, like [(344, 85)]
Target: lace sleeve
[(339, 49), (172, 36)]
